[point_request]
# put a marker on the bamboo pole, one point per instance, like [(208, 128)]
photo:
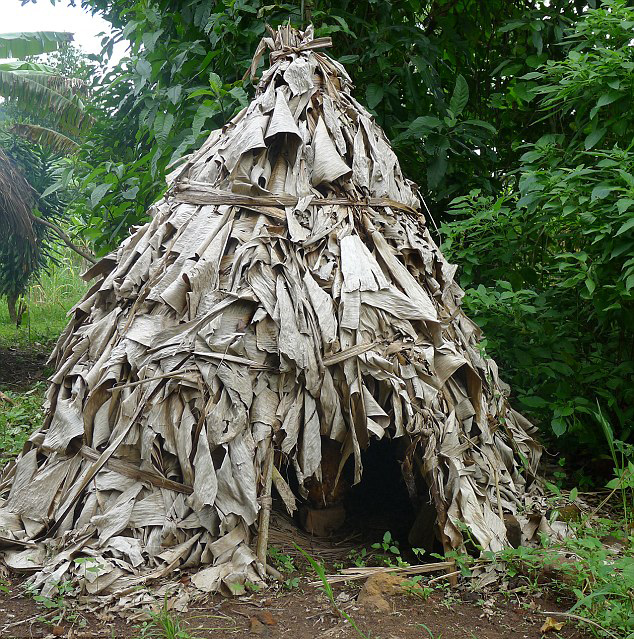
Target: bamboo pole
[(265, 510)]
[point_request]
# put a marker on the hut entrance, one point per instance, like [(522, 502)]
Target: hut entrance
[(380, 501)]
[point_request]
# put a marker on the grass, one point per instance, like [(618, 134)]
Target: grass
[(48, 301), (20, 414)]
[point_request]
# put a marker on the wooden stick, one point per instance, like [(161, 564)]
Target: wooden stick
[(87, 256), (265, 510), (354, 574)]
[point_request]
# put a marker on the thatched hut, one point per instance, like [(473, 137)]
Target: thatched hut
[(286, 299)]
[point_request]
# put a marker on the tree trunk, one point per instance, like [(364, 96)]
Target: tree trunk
[(16, 311), (13, 315)]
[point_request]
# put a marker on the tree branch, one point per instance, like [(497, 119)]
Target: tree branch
[(87, 256)]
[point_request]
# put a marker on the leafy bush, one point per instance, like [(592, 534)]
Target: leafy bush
[(548, 264)]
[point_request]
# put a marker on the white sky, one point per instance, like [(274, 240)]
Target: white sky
[(45, 17)]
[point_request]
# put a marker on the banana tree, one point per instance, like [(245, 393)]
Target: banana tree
[(35, 89), (52, 114)]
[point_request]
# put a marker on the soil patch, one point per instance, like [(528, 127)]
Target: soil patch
[(304, 613), (20, 368)]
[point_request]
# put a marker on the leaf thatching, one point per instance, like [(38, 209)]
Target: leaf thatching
[(285, 295)]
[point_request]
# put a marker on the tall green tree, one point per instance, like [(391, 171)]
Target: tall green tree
[(549, 262), (430, 70)]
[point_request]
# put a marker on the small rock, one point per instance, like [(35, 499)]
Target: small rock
[(377, 588), (374, 602), (58, 631), (257, 627), (383, 583)]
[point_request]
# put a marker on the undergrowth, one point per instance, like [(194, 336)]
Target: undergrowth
[(20, 413), (48, 300)]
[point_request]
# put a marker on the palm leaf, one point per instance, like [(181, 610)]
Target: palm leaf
[(35, 98), (54, 141), (59, 83), (21, 65), (19, 45)]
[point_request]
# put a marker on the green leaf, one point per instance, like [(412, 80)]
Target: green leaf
[(573, 494), (601, 191), (533, 401), (163, 123), (215, 83), (559, 426), (174, 93), (97, 194), (436, 170), (522, 91), (424, 123), (511, 26), (481, 124), (590, 285), (460, 96), (130, 194), (34, 97), (626, 226), (623, 204), (20, 45), (608, 98), (593, 137), (373, 95), (143, 68)]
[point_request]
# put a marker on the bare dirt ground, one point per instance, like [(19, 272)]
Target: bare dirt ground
[(305, 613), (21, 368)]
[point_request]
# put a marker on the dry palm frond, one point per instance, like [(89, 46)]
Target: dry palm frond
[(16, 201), (35, 97), (287, 295), (54, 141)]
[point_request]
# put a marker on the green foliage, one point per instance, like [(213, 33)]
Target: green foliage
[(600, 581), (20, 413), (60, 608), (548, 263), (20, 45), (184, 77), (623, 459), (48, 300), (20, 261), (48, 110), (283, 562), (391, 552), (163, 624)]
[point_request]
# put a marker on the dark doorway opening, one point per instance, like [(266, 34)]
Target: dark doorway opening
[(380, 502)]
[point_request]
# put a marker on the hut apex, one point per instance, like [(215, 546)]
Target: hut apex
[(282, 325)]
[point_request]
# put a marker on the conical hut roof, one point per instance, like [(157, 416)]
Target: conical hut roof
[(285, 293)]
